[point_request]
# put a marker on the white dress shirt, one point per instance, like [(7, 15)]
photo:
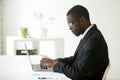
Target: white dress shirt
[(82, 35)]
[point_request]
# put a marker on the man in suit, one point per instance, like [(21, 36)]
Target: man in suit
[(91, 56)]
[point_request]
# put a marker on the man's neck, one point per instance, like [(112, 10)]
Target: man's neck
[(87, 29)]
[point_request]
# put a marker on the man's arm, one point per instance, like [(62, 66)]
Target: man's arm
[(68, 60), (51, 62)]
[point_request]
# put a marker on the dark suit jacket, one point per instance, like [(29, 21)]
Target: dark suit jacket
[(90, 59)]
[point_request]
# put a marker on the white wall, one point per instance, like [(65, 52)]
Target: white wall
[(104, 13)]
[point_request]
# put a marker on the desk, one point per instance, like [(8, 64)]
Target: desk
[(18, 68)]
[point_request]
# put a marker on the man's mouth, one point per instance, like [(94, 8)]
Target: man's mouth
[(73, 32)]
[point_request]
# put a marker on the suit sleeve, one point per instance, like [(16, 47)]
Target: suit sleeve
[(67, 60), (85, 61)]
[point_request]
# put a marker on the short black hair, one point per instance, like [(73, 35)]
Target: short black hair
[(78, 11)]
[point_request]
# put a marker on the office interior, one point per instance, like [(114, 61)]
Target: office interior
[(50, 15)]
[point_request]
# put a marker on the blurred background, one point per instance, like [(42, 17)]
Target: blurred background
[(50, 15)]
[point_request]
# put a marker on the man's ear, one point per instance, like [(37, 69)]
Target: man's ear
[(82, 20)]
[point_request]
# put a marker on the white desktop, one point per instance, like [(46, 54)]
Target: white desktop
[(19, 68)]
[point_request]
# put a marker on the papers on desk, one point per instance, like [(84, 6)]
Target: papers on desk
[(47, 76)]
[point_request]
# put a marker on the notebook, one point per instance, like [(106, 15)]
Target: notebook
[(37, 67)]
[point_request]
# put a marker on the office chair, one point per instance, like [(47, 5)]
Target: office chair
[(106, 72)]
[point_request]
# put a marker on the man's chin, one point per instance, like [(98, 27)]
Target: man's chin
[(77, 35)]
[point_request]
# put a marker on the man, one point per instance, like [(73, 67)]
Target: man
[(91, 56)]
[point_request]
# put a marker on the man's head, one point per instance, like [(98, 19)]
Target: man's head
[(78, 19)]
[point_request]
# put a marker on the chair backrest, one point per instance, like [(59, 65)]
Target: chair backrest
[(106, 72)]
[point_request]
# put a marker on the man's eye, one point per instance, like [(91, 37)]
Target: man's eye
[(70, 24)]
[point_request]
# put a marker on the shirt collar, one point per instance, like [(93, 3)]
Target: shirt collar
[(82, 35)]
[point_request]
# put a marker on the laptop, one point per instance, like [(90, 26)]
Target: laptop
[(37, 67)]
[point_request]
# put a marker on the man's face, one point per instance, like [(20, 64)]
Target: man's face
[(75, 25)]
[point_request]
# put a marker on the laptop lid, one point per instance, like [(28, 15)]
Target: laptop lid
[(36, 67)]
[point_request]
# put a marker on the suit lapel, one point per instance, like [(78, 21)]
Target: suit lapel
[(83, 41)]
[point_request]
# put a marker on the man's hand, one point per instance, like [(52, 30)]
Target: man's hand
[(48, 62)]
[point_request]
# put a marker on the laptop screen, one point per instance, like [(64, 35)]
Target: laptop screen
[(36, 67)]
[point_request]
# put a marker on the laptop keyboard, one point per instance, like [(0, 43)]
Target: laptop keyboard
[(37, 67)]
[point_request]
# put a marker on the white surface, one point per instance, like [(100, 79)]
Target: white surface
[(18, 68), (14, 68)]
